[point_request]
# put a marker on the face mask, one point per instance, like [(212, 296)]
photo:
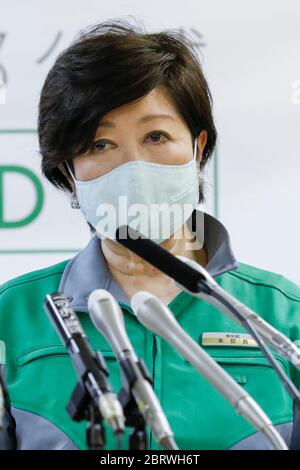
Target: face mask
[(152, 198)]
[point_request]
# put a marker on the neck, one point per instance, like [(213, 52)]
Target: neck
[(124, 263)]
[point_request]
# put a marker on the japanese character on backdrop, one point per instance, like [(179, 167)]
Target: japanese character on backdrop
[(3, 73), (51, 48), (199, 39)]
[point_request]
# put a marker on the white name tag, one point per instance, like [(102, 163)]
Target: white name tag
[(228, 339)]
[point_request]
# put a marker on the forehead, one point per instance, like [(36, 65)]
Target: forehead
[(157, 104)]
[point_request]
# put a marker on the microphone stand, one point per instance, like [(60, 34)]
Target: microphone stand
[(82, 406), (138, 439)]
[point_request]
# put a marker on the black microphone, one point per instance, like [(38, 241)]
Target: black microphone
[(90, 368), (194, 278), (161, 259)]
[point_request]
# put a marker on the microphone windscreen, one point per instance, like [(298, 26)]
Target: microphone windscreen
[(154, 254)]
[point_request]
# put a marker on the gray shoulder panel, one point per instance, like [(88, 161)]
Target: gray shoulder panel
[(258, 441), (7, 432), (34, 432)]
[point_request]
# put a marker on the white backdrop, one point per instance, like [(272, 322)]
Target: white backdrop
[(250, 54)]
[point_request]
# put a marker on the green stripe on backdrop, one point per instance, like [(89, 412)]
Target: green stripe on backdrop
[(68, 250), (33, 251)]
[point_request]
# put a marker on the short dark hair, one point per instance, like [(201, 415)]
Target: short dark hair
[(111, 64)]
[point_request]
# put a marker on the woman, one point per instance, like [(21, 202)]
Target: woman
[(126, 116)]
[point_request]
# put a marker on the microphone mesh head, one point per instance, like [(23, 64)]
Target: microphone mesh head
[(138, 299), (96, 295)]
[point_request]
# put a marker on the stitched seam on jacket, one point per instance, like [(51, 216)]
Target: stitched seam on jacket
[(259, 282), (26, 281), (28, 351)]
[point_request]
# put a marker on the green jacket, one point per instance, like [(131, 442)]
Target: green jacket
[(40, 377)]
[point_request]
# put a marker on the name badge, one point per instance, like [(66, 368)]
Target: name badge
[(228, 339)]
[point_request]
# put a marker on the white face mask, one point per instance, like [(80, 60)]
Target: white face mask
[(152, 198)]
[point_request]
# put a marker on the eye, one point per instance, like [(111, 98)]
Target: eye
[(99, 145), (156, 137)]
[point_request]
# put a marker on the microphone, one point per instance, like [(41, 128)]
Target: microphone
[(107, 317), (159, 257), (194, 279), (157, 317), (227, 303), (90, 368)]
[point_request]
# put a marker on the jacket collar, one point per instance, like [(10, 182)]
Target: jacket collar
[(88, 270)]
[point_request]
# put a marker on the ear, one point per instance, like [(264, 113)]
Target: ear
[(66, 174), (202, 139)]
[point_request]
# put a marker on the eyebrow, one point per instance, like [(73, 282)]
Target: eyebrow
[(148, 117)]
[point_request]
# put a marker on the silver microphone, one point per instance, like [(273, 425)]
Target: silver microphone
[(107, 317), (157, 317), (280, 342)]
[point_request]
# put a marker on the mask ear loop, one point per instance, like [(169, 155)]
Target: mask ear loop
[(70, 171), (195, 149), (74, 201)]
